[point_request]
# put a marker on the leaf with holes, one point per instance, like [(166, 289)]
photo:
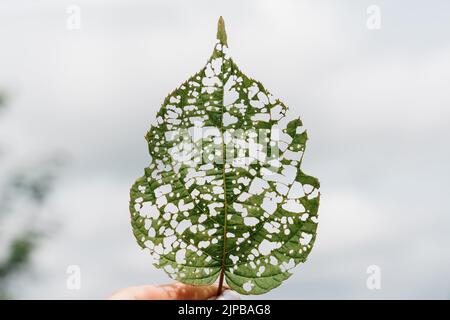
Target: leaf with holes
[(224, 196)]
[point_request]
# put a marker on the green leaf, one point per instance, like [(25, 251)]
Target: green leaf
[(223, 196)]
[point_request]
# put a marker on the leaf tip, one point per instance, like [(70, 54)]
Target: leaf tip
[(221, 33)]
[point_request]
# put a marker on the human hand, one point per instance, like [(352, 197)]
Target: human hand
[(174, 291)]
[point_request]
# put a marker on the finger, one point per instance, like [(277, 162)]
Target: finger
[(174, 291), (229, 295)]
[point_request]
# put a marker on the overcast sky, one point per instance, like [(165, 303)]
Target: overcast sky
[(376, 104)]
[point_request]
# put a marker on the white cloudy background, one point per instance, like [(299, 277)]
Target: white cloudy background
[(376, 104)]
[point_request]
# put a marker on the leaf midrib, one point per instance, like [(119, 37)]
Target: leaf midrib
[(225, 203)]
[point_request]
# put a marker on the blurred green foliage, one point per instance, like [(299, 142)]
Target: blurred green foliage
[(19, 254), (22, 184), (2, 100), (20, 250)]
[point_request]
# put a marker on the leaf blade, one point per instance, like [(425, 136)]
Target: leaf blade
[(205, 218)]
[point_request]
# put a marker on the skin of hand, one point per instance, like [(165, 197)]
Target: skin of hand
[(174, 291)]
